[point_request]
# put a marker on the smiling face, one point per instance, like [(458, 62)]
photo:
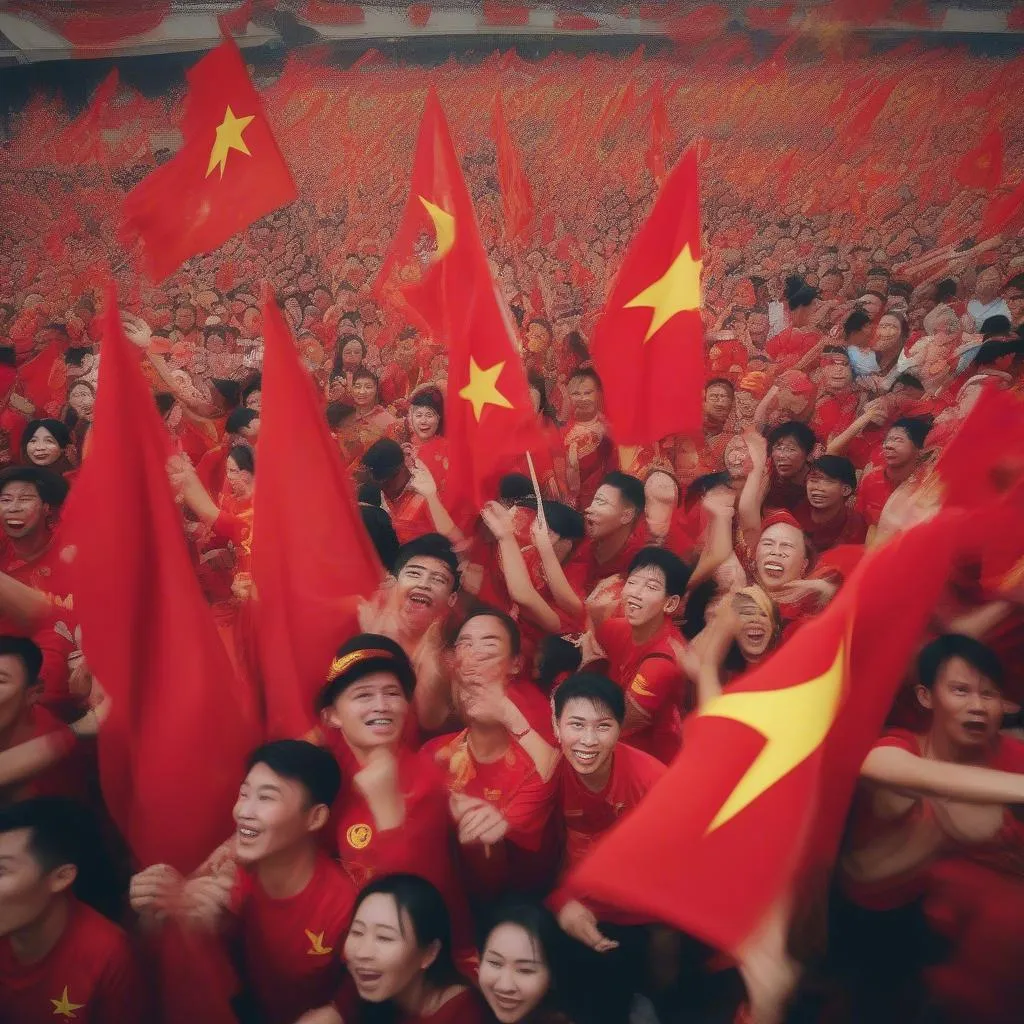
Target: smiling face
[(717, 403), (889, 333), (425, 591), (583, 397), (26, 890), (587, 732), (364, 393), (483, 656), (966, 706), (756, 627), (514, 976), (423, 422), (271, 814), (381, 951), (607, 513), (22, 510), (644, 598), (824, 492), (370, 712), (781, 556), (42, 448)]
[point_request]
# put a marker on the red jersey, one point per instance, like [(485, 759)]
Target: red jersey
[(525, 860), (873, 492), (787, 494), (595, 452), (587, 814), (291, 947), (833, 414), (847, 526), (789, 346), (89, 976), (584, 571), (465, 1007), (410, 516), (649, 676), (68, 777)]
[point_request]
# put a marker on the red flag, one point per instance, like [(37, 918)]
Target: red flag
[(772, 763), (419, 14), (82, 136), (982, 167), (236, 20), (864, 118), (1001, 211), (660, 138), (302, 565), (228, 174), (573, 22), (43, 380), (648, 345), (173, 751), (505, 15), (516, 198)]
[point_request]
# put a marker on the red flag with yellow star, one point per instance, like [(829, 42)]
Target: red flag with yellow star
[(648, 345), (228, 173), (756, 801), (516, 197)]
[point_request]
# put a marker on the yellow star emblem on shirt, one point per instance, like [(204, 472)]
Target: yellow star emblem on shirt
[(677, 291), (229, 136), (482, 388), (316, 944), (794, 722), (63, 1007), (444, 228)]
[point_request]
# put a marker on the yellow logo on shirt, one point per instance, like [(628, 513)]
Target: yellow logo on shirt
[(639, 685), (316, 944), (359, 836), (492, 795), (63, 1007)]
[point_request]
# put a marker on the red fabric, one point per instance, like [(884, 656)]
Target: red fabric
[(653, 387), (419, 14), (516, 197), (1001, 211), (68, 777), (195, 979), (44, 381), (84, 28), (323, 12), (660, 140), (982, 167), (91, 964), (236, 20), (649, 676), (187, 206), (568, 22), (769, 17), (584, 571), (859, 12), (873, 492), (864, 118), (148, 633), (847, 664), (303, 564), (291, 948), (847, 526), (505, 15)]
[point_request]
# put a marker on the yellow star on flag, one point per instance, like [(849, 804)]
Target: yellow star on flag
[(482, 388), (794, 722), (229, 136), (63, 1007), (677, 291), (444, 228)]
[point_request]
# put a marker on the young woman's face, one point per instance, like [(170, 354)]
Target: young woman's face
[(514, 976), (381, 949), (364, 393), (424, 422)]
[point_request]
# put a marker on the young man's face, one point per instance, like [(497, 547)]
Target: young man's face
[(644, 597), (583, 397), (13, 690), (718, 403), (425, 590), (370, 712), (836, 371), (898, 451), (21, 509), (25, 889), (587, 732), (966, 706), (271, 814), (824, 492), (607, 512), (781, 555), (788, 458)]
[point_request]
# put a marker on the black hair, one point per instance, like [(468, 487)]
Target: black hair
[(51, 487), (255, 383), (874, 294), (676, 572), (516, 489), (343, 340), (378, 654), (798, 292), (364, 374), (992, 351), (164, 402), (549, 941), (54, 841), (427, 912), (337, 413), (837, 467), (797, 431), (631, 489), (702, 485), (594, 687), (877, 272), (722, 382), (995, 326), (945, 290), (557, 657), (240, 418), (382, 533), (855, 322), (8, 355), (588, 372), (60, 433), (956, 645), (27, 652), (369, 494), (229, 390), (244, 457), (75, 355), (430, 397), (509, 624), (429, 545), (565, 521), (536, 380), (908, 380), (383, 459), (915, 427), (315, 768), (836, 350)]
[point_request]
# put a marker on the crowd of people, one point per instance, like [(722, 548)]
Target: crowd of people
[(515, 688)]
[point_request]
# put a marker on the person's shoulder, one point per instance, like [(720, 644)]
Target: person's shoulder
[(91, 934), (439, 749), (1009, 754), (638, 764), (902, 738), (615, 629)]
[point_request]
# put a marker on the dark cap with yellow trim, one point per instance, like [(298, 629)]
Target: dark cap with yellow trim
[(361, 656)]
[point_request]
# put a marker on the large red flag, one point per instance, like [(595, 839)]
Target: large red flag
[(173, 751), (516, 198), (649, 343), (1001, 211), (660, 137), (228, 173), (982, 167), (309, 547), (771, 765), (43, 380)]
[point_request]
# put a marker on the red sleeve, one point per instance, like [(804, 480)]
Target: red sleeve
[(528, 811), (904, 739), (1010, 756), (613, 635), (654, 684), (231, 527), (577, 570)]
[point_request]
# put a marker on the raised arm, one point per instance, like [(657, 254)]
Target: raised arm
[(561, 589)]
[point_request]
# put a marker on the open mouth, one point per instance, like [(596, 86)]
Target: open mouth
[(420, 600), (367, 978), (508, 1004), (379, 724), (773, 570), (246, 835), (585, 757), (755, 634), (975, 728), (632, 605)]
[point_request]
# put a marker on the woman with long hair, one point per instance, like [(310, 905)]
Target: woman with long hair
[(47, 443)]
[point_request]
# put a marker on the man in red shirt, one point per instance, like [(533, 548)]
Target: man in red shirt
[(59, 958), (640, 658), (498, 769), (589, 450), (599, 781), (719, 399), (276, 894), (789, 448), (827, 519), (836, 406), (901, 454)]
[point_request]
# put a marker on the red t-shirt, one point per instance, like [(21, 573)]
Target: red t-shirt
[(584, 571), (595, 452), (833, 414), (90, 976), (410, 516), (291, 947), (847, 526), (650, 676), (873, 492), (526, 859), (465, 1007), (68, 777), (789, 346)]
